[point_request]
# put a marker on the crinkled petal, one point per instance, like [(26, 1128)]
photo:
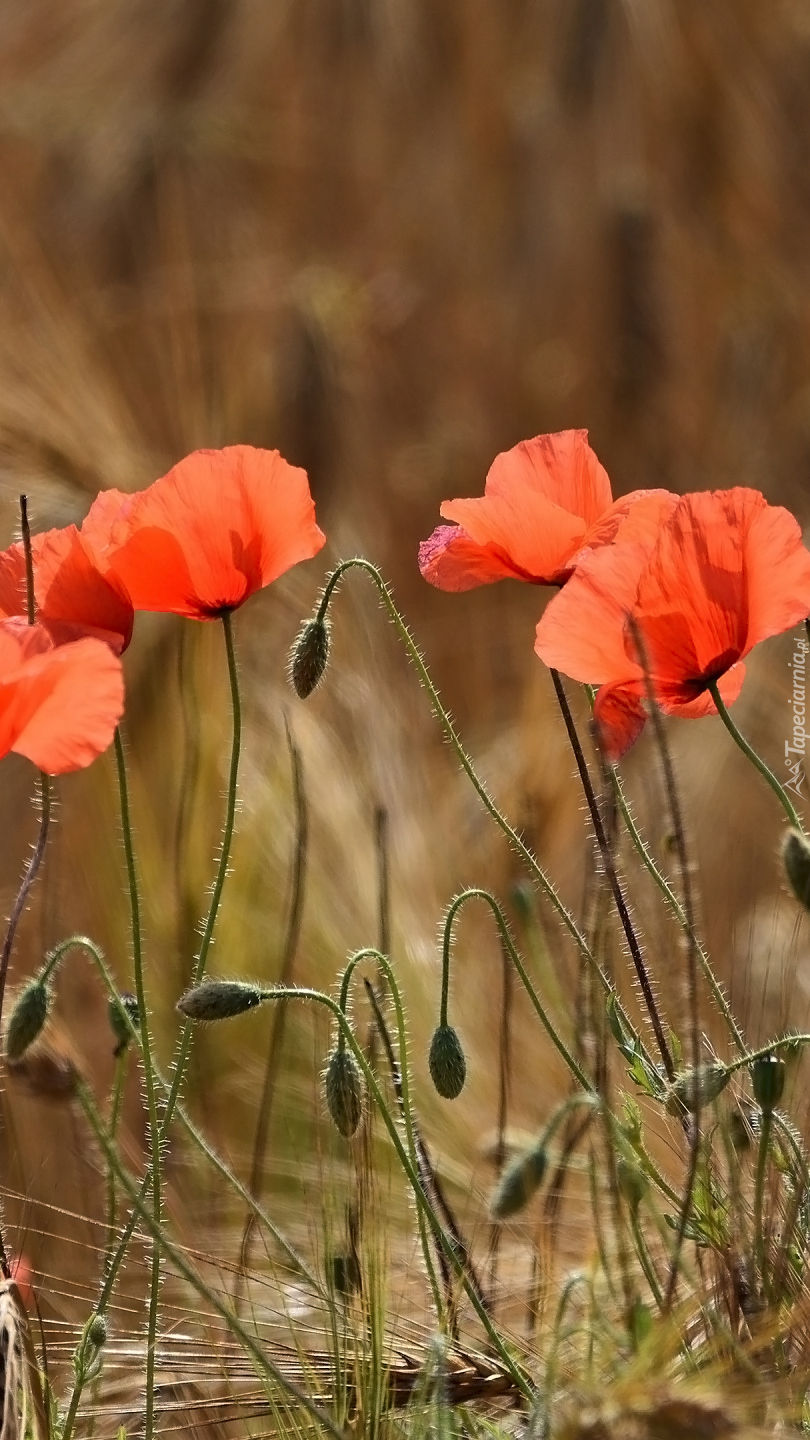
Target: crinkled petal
[(531, 536), (451, 560)]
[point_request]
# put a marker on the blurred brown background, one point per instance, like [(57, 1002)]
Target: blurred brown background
[(391, 238)]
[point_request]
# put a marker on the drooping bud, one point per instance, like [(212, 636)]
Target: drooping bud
[(27, 1019), (309, 656), (448, 1068), (768, 1080), (219, 1000), (519, 1182), (118, 1025), (343, 1086), (796, 860), (701, 1085), (633, 1183)]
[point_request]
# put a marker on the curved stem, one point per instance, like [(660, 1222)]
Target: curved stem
[(422, 1200), (476, 894), (751, 754), (386, 967), (451, 734)]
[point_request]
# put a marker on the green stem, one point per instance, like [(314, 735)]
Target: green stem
[(759, 1193), (422, 1200), (751, 754), (184, 1046), (642, 1250), (384, 964), (476, 894), (149, 1082), (676, 907), (451, 734), (257, 1352)]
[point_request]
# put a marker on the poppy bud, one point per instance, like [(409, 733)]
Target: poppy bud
[(27, 1018), (711, 1082), (632, 1181), (518, 1182), (768, 1080), (796, 860), (219, 1000), (97, 1332), (309, 656), (448, 1068), (343, 1085), (120, 1029)]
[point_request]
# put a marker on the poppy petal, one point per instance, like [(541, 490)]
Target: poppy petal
[(199, 541), (775, 548), (561, 467), (582, 629), (527, 532), (73, 597), (450, 560), (59, 705), (619, 716)]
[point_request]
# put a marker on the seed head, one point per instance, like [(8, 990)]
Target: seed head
[(768, 1080), (707, 1082), (120, 1029), (219, 1000), (796, 860), (27, 1019), (519, 1182), (343, 1085), (309, 656), (448, 1068)]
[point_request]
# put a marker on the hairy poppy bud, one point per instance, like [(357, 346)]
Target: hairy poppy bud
[(219, 1000), (768, 1080), (796, 860), (343, 1085), (518, 1182), (633, 1183), (97, 1332), (448, 1068), (27, 1018), (706, 1082), (118, 1025), (309, 656)]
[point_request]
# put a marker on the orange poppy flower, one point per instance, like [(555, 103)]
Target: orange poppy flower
[(59, 704), (199, 541), (725, 570), (72, 596), (546, 503)]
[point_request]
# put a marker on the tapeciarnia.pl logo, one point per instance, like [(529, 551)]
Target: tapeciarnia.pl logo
[(795, 752)]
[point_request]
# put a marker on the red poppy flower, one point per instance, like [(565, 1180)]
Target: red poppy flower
[(198, 542), (545, 504), (725, 571), (72, 596), (59, 704)]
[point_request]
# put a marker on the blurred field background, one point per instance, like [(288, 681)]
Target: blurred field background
[(390, 239)]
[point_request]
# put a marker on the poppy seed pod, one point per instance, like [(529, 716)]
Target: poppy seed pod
[(118, 1025), (97, 1332), (796, 860), (768, 1081), (27, 1019), (309, 656), (219, 1000), (704, 1084), (519, 1182), (448, 1068), (343, 1086), (632, 1182)]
